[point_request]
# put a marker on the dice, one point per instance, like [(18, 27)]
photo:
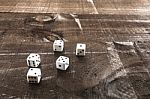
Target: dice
[(80, 49), (58, 45), (62, 63), (33, 60), (34, 75)]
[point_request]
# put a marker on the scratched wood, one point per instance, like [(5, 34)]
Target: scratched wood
[(117, 60), (76, 6)]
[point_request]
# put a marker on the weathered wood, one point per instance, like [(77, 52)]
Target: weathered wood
[(116, 33)]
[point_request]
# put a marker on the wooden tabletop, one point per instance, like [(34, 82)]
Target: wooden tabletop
[(116, 34)]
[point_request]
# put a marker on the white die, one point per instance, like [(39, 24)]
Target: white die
[(34, 75), (80, 49), (62, 63), (33, 60), (58, 45)]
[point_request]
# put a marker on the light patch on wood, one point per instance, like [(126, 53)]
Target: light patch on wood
[(77, 21), (93, 5)]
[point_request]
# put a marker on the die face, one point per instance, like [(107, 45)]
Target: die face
[(62, 63), (34, 75), (34, 57), (34, 71), (58, 48), (80, 52), (58, 45), (80, 49), (32, 79), (63, 59), (60, 66), (33, 63), (81, 46), (33, 60), (59, 42)]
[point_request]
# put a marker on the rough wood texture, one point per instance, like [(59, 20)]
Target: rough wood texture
[(117, 60)]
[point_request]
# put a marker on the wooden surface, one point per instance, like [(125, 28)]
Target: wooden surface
[(116, 64), (76, 6)]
